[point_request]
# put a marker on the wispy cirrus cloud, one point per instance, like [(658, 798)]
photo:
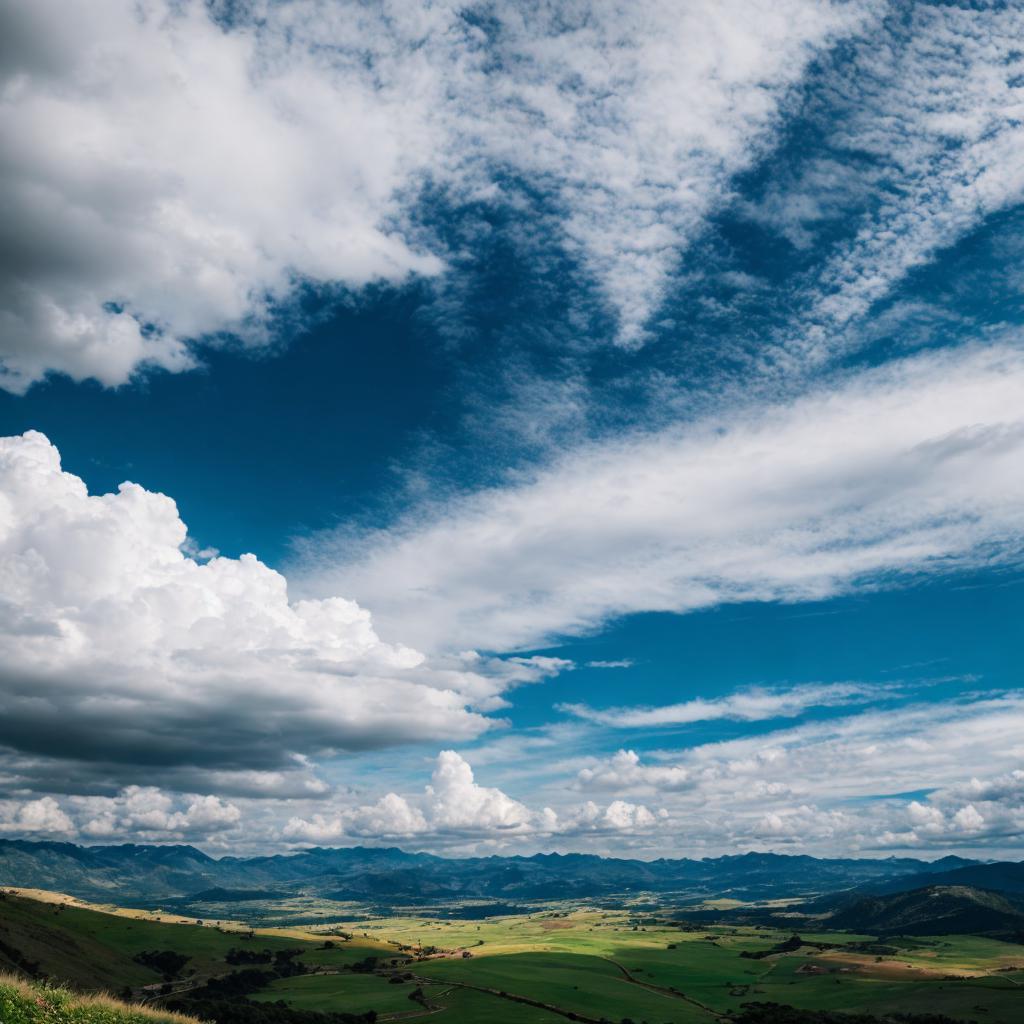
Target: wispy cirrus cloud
[(911, 467), (181, 169), (924, 135), (753, 705)]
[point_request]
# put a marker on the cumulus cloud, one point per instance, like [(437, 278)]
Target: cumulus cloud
[(174, 174), (169, 179), (455, 807), (746, 706), (42, 816), (144, 813), (117, 648), (912, 466), (980, 812), (624, 772), (148, 813), (849, 783)]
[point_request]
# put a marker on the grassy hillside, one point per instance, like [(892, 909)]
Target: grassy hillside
[(91, 949), (1005, 877), (934, 910), (24, 1003), (566, 961)]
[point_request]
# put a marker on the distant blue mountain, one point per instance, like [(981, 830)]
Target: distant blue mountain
[(162, 873)]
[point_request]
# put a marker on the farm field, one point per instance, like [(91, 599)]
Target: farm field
[(349, 993), (536, 968), (611, 964)]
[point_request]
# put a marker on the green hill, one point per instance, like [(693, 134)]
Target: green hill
[(933, 910), (24, 1003), (92, 950)]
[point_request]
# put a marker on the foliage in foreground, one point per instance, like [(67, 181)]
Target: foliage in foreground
[(24, 1003)]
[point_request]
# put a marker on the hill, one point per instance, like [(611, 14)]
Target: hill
[(90, 949), (1005, 876), (24, 1003), (155, 875), (933, 910), (585, 962)]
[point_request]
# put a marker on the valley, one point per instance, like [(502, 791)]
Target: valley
[(560, 960)]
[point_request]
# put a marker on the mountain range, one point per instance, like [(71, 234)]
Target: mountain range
[(389, 875)]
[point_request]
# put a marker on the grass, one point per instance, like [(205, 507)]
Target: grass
[(95, 949), (464, 1006), (350, 993), (24, 1003), (564, 960), (592, 962), (587, 985)]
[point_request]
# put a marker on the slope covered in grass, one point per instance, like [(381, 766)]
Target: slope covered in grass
[(935, 910), (24, 1003)]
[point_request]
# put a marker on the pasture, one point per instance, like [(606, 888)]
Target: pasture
[(559, 961)]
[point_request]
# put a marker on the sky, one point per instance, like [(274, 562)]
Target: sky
[(502, 428)]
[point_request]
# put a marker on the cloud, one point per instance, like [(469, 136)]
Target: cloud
[(751, 705), (144, 813), (457, 802), (626, 816), (148, 813), (456, 808), (979, 812), (624, 772), (930, 105), (119, 650), (637, 117), (889, 779), (170, 179), (175, 175), (34, 816), (914, 466)]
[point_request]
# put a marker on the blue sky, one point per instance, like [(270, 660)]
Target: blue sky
[(623, 409)]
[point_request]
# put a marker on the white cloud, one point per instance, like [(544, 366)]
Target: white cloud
[(623, 815), (981, 812), (42, 816), (456, 801), (144, 813), (913, 466), (935, 104), (968, 819), (164, 173), (751, 705), (638, 116), (119, 649), (455, 807), (843, 784), (624, 772), (148, 813), (171, 178)]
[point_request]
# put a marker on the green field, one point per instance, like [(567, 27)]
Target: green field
[(352, 993), (95, 950), (535, 968)]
